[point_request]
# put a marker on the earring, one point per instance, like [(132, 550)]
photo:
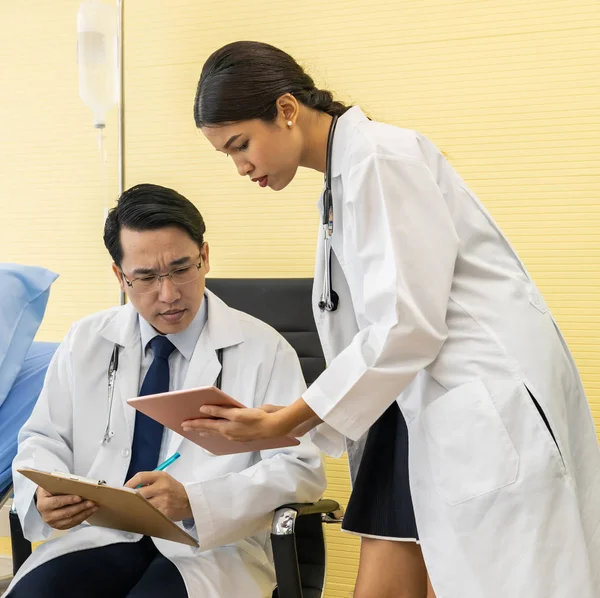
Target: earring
[(289, 123)]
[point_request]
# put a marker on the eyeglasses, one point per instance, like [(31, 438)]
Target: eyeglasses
[(151, 282)]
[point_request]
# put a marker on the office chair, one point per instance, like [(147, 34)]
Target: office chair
[(297, 531)]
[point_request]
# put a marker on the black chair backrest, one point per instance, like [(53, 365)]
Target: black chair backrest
[(284, 304)]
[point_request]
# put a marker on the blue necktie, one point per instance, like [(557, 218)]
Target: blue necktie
[(147, 436)]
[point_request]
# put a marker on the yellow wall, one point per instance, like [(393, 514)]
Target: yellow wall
[(508, 89)]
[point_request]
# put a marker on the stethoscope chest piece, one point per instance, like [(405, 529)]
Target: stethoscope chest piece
[(329, 298), (333, 304)]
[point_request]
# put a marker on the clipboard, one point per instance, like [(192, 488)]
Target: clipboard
[(118, 508), (172, 408)]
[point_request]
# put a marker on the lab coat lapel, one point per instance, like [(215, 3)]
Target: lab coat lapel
[(124, 331), (128, 383)]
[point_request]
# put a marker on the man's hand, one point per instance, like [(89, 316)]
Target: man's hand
[(164, 492), (63, 511)]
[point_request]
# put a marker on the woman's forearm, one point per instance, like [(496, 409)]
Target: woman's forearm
[(299, 418)]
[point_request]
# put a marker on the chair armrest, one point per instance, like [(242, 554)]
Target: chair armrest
[(310, 508), (291, 572), (5, 495), (21, 547), (284, 518)]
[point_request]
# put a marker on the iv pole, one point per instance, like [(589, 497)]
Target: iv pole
[(121, 112)]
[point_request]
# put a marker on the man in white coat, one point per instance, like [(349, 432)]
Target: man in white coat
[(168, 336)]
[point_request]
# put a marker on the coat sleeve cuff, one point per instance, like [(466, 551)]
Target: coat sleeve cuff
[(202, 523), (333, 412), (35, 529), (328, 440)]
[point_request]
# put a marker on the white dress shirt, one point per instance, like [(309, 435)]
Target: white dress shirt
[(179, 361)]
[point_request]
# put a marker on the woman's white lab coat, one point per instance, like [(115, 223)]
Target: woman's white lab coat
[(232, 497), (438, 313)]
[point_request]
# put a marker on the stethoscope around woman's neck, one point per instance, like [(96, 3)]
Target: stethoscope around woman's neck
[(329, 298)]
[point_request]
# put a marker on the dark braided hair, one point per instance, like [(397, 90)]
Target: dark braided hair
[(243, 80)]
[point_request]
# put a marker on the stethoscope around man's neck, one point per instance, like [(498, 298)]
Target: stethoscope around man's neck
[(329, 298), (113, 366)]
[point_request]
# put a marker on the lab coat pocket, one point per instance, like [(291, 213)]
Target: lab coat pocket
[(470, 451), (546, 429)]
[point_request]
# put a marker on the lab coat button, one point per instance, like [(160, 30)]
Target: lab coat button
[(129, 536), (536, 299), (125, 453)]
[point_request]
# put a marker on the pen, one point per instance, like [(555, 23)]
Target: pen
[(163, 465)]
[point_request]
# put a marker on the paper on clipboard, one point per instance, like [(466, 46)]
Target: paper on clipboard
[(118, 508)]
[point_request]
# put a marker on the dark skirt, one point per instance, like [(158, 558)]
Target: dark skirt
[(380, 503)]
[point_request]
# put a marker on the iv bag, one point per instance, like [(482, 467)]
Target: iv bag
[(97, 57)]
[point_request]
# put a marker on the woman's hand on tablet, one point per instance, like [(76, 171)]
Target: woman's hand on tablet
[(242, 425), (245, 425)]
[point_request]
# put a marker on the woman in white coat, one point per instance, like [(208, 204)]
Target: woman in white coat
[(421, 303)]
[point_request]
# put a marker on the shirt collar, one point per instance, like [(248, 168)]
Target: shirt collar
[(343, 131), (186, 340)]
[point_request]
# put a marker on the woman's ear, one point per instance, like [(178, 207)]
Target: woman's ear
[(288, 108)]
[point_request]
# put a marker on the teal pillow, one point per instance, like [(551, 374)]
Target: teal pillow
[(24, 292)]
